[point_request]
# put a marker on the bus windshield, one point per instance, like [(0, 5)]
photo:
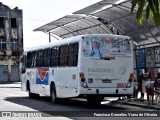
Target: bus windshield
[(106, 46)]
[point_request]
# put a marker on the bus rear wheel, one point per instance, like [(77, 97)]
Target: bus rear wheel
[(53, 94), (94, 100)]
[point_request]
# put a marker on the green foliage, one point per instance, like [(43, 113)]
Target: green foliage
[(149, 13), (150, 7)]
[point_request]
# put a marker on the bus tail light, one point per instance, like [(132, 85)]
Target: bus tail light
[(83, 81), (81, 75)]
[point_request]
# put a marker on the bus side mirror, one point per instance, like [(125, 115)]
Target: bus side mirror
[(23, 70)]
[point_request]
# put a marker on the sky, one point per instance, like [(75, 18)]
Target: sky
[(40, 12)]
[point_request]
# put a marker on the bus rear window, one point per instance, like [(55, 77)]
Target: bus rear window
[(105, 46)]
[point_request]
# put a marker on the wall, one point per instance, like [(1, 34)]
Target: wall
[(12, 33)]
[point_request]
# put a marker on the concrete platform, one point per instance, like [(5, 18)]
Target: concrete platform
[(139, 103), (10, 85)]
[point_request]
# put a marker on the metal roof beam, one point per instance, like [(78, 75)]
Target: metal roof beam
[(72, 29), (63, 27), (54, 33), (88, 23), (148, 44), (62, 23), (110, 7), (99, 25), (82, 29)]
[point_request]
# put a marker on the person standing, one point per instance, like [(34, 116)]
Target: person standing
[(149, 86), (149, 90), (135, 83), (145, 77), (157, 91), (140, 86)]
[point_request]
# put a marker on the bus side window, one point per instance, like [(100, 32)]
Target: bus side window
[(73, 54), (46, 60), (54, 57), (39, 58), (63, 55), (29, 59), (23, 61), (25, 58), (33, 64)]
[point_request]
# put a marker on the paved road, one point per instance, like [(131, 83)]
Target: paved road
[(13, 99)]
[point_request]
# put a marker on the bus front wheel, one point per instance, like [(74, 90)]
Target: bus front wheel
[(53, 94), (32, 95)]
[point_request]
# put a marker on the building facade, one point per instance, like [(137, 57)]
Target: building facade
[(11, 42)]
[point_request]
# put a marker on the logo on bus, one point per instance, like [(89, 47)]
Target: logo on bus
[(42, 76), (104, 70)]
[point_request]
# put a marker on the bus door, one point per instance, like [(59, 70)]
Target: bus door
[(73, 50)]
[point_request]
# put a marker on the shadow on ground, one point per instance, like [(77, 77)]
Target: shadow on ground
[(65, 107)]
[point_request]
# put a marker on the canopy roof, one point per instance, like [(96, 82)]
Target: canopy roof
[(115, 12), (72, 25)]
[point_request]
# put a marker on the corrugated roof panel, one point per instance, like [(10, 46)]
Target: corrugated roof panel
[(59, 22), (115, 12), (112, 13), (71, 25), (120, 17), (97, 7)]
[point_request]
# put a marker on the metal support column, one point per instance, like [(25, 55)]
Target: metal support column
[(49, 37)]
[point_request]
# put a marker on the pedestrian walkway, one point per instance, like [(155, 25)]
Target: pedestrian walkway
[(10, 85), (139, 103)]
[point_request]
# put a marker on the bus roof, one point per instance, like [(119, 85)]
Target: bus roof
[(68, 40)]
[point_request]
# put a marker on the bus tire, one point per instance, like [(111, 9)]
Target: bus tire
[(53, 95), (31, 95), (94, 101)]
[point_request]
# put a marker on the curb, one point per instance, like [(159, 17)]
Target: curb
[(10, 87), (9, 82), (145, 105)]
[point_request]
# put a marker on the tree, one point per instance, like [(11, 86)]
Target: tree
[(149, 7)]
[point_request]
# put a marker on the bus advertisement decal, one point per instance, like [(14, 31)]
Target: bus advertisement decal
[(42, 76)]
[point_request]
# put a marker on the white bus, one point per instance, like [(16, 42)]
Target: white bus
[(88, 66)]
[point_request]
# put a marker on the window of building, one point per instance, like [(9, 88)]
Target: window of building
[(63, 55), (73, 54), (1, 22), (54, 56), (14, 44), (47, 54), (2, 44), (13, 23)]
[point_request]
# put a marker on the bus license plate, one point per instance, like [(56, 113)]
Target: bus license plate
[(106, 81)]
